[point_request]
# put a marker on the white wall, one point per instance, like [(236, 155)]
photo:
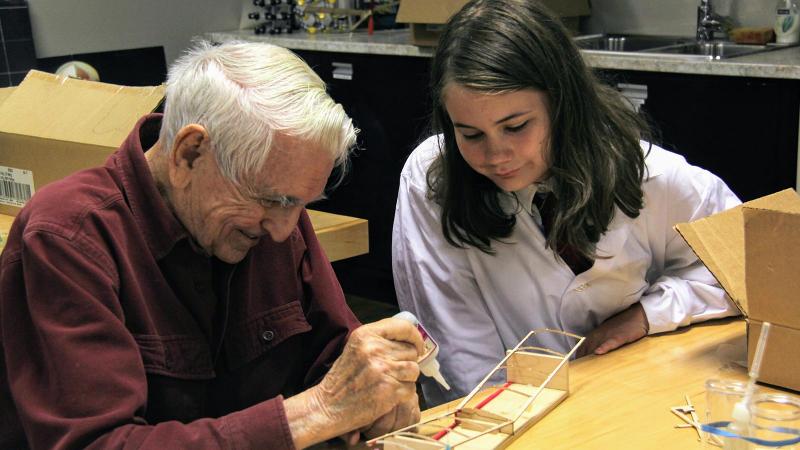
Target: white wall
[(62, 27), (672, 17)]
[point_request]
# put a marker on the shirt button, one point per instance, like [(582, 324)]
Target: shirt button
[(267, 335)]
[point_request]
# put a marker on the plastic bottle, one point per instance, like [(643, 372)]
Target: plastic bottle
[(787, 22), (428, 364)]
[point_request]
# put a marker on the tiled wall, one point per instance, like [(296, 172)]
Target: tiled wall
[(17, 53)]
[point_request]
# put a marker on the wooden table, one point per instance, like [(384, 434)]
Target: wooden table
[(5, 225), (621, 400), (341, 236)]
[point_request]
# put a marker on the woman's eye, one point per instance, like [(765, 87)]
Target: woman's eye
[(472, 137), (517, 128)]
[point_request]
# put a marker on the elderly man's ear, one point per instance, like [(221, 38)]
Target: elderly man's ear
[(192, 145)]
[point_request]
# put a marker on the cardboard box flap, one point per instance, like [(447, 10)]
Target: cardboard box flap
[(786, 201), (85, 112), (772, 249), (718, 241), (439, 11), (4, 93), (428, 11)]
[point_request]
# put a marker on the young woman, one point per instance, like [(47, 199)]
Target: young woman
[(538, 204)]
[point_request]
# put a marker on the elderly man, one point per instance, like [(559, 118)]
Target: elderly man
[(178, 298)]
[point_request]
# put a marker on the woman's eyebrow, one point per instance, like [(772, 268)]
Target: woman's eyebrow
[(512, 116), (504, 119)]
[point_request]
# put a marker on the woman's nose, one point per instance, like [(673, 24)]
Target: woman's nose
[(497, 152)]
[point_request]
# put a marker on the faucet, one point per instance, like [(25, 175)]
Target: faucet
[(707, 21)]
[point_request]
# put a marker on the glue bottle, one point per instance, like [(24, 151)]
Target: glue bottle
[(428, 364)]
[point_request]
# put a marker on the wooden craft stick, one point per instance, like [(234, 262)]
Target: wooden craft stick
[(695, 419)]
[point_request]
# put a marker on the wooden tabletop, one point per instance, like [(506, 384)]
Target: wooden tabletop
[(622, 400), (341, 236), (5, 225)]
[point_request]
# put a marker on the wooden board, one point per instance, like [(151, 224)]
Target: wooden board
[(340, 236), (5, 225)]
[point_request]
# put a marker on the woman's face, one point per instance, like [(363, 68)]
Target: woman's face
[(504, 137)]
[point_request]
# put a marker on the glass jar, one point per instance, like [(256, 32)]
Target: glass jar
[(721, 396), (775, 417)]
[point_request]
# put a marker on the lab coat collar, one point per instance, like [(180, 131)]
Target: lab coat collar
[(652, 166), (513, 202)]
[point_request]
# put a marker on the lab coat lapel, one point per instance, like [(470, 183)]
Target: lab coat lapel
[(610, 246)]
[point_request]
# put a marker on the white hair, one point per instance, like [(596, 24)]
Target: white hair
[(245, 92)]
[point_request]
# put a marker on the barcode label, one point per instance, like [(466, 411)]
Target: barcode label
[(16, 186)]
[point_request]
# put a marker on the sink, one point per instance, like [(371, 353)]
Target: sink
[(666, 46), (627, 42), (711, 50)]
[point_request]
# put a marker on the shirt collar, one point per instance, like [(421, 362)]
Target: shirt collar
[(151, 212), (513, 202)]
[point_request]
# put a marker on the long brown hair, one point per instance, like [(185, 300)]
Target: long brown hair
[(596, 160)]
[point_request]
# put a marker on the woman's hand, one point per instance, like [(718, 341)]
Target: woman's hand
[(627, 326)]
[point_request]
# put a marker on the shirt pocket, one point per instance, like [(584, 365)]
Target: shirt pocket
[(183, 357), (256, 336)]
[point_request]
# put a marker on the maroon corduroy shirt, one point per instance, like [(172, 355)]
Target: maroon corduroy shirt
[(115, 333)]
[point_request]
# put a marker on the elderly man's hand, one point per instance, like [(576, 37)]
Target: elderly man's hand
[(402, 415), (625, 327), (371, 386)]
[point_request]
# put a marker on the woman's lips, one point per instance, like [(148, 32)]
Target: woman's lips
[(507, 174)]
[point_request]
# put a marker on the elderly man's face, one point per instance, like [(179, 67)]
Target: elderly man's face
[(227, 221)]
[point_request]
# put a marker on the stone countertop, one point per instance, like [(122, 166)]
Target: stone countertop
[(384, 42), (782, 63)]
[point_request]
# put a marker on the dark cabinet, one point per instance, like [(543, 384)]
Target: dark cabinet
[(744, 130), (387, 97)]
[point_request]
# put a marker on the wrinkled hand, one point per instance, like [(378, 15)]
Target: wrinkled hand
[(371, 386), (623, 328), (400, 416)]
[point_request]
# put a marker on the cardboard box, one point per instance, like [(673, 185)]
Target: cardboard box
[(51, 127), (427, 17), (754, 251), (4, 93)]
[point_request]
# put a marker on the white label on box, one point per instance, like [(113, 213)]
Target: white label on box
[(16, 186)]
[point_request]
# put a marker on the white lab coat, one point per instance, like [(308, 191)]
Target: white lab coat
[(475, 305)]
